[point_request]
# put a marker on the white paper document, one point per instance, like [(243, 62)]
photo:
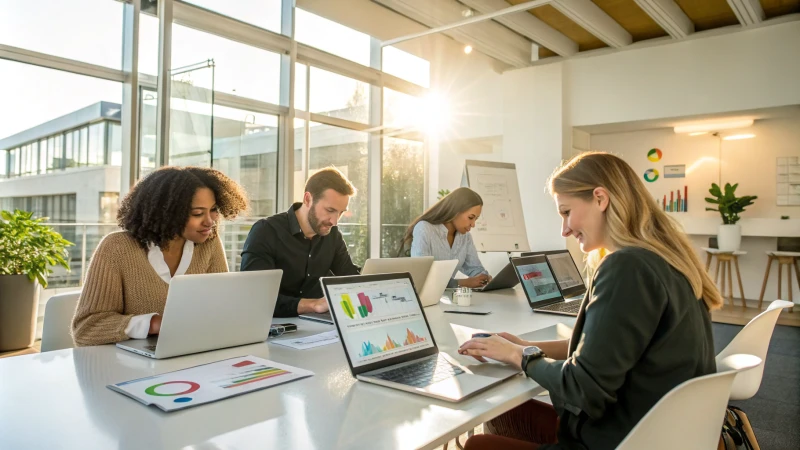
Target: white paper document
[(209, 382), (304, 343)]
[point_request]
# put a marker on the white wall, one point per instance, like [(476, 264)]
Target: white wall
[(749, 162), (757, 68)]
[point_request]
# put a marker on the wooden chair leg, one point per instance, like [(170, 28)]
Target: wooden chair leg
[(739, 279), (708, 262), (780, 278), (764, 285), (797, 276), (730, 282), (716, 271), (789, 281), (721, 278)]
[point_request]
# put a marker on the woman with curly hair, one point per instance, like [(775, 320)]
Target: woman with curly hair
[(169, 226)]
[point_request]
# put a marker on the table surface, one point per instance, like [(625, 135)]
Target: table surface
[(59, 399)]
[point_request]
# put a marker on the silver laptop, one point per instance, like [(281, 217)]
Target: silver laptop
[(418, 267), (506, 278), (212, 311), (436, 282), (388, 341)]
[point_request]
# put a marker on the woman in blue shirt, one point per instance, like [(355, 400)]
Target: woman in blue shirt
[(443, 232)]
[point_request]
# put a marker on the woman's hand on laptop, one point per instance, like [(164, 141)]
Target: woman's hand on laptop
[(475, 282), (155, 324), (312, 305), (495, 347)]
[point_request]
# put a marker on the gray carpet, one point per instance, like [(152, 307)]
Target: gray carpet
[(775, 409)]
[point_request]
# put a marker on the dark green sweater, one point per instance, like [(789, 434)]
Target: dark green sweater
[(640, 333)]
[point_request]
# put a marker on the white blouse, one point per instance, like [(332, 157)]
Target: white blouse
[(139, 326)]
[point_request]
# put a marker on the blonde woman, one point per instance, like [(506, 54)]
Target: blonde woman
[(644, 325), (443, 232)]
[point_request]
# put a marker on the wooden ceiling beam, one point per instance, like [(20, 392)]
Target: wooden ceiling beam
[(594, 20), (669, 16), (749, 12), (528, 26)]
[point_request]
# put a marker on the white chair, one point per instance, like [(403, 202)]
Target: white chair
[(690, 415), (753, 340), (57, 321)]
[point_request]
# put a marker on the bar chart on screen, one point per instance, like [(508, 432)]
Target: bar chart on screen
[(375, 303)]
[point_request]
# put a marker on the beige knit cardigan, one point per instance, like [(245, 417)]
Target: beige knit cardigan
[(121, 283)]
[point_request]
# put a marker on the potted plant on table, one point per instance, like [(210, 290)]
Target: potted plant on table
[(28, 249), (729, 207)]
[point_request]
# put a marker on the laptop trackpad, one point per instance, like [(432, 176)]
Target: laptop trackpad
[(460, 386)]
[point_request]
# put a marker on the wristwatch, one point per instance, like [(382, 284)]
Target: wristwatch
[(528, 355)]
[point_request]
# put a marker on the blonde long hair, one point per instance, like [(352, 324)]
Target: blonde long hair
[(633, 219)]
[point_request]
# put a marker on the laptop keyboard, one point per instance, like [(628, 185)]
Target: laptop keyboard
[(421, 374), (565, 307)]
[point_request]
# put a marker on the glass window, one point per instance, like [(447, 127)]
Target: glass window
[(34, 95), (97, 144), (347, 151), (148, 44), (109, 204), (12, 162), (3, 164), (402, 110), (402, 191), (70, 149), (261, 13), (84, 30), (115, 141), (239, 69), (300, 85), (246, 149), (406, 66), (331, 37), (338, 96), (83, 146), (299, 159), (147, 132)]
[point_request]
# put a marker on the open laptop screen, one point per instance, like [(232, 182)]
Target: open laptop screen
[(537, 280), (379, 318)]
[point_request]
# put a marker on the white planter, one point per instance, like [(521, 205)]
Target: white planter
[(729, 237)]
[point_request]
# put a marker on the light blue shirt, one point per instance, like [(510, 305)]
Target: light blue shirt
[(431, 240)]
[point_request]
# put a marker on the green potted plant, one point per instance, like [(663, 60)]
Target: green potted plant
[(729, 207), (28, 250)]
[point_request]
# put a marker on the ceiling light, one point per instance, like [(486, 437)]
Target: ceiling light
[(698, 133), (736, 137), (713, 126), (468, 12), (468, 49)]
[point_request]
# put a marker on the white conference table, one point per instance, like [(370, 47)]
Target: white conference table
[(60, 400)]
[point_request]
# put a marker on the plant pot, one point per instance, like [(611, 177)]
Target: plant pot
[(729, 237), (19, 304)]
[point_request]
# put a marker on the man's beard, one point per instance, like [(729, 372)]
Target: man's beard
[(314, 222)]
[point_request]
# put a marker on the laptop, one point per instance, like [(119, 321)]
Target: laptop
[(506, 278), (541, 288), (436, 282), (570, 281), (387, 339), (212, 311), (418, 267)]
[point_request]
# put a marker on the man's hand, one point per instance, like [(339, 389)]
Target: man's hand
[(475, 282), (155, 324), (312, 305)]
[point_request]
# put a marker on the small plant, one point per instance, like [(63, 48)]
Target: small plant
[(728, 204), (442, 193), (28, 247)]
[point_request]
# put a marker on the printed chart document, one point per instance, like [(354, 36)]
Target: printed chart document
[(209, 382), (304, 343)]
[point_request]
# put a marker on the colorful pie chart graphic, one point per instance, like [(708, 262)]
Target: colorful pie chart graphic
[(192, 386), (650, 175), (654, 155)]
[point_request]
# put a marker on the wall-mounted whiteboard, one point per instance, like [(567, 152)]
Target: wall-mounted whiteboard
[(501, 226)]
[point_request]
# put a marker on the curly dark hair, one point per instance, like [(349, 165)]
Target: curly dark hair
[(156, 210)]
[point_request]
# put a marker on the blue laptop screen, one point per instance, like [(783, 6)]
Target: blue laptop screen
[(538, 282), (379, 320)]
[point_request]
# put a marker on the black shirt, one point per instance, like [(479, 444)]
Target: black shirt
[(277, 242), (640, 332)]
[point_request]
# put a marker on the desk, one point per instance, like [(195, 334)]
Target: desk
[(60, 400)]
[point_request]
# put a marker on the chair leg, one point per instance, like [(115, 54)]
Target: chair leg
[(470, 433), (716, 271), (730, 282), (780, 279), (764, 285), (739, 279), (789, 280), (708, 262), (721, 278), (797, 276)]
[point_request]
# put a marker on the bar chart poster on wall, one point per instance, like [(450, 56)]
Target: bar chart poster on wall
[(501, 225), (209, 382)]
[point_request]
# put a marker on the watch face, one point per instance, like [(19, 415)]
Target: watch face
[(530, 351)]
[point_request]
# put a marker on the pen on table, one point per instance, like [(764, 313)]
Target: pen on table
[(476, 313)]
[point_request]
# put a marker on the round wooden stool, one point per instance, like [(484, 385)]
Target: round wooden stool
[(788, 259), (724, 261)]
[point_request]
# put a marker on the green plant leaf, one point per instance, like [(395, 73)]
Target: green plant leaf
[(29, 246)]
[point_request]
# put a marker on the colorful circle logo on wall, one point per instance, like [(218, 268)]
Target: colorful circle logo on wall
[(654, 155), (650, 175), (192, 387)]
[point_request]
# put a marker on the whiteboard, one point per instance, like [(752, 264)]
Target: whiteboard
[(501, 226)]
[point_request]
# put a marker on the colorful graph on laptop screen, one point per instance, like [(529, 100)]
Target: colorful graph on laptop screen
[(538, 282), (379, 319)]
